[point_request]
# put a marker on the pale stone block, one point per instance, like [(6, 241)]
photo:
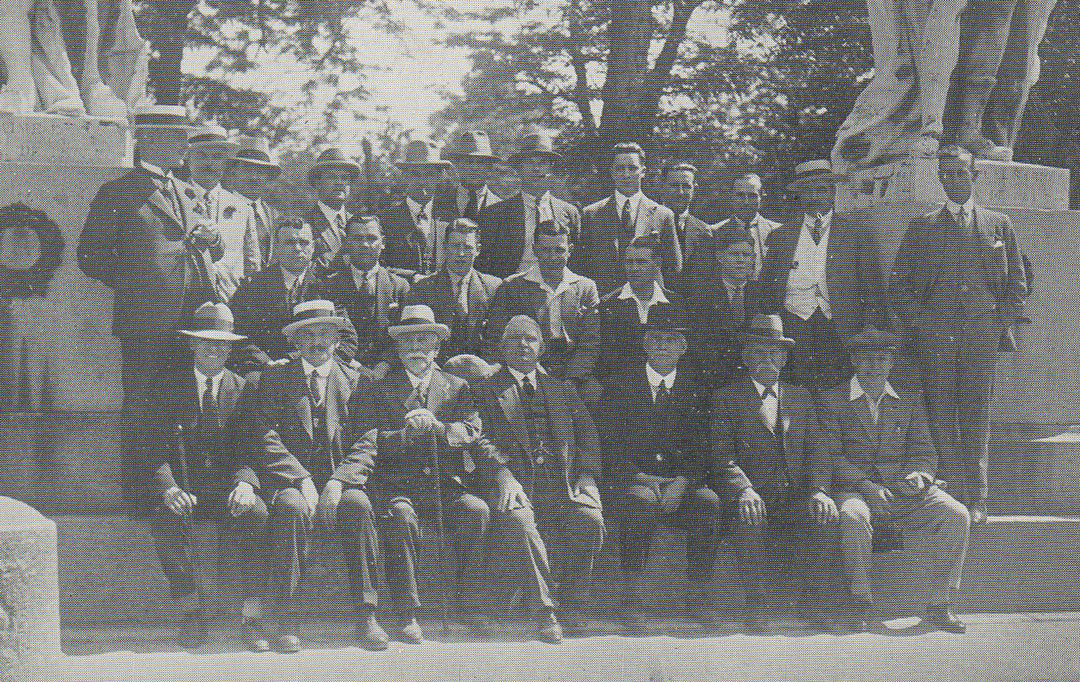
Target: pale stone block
[(1062, 461), (49, 139)]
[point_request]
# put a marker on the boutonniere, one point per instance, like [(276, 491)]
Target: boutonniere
[(785, 424), (229, 212)]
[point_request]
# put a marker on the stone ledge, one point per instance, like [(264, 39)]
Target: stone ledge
[(48, 139)]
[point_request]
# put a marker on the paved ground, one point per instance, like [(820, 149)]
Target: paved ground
[(1008, 648)]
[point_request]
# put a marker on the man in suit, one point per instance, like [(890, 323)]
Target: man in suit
[(544, 473), (143, 239), (186, 452), (679, 183), (367, 292), (413, 231), (563, 302), (417, 425), (458, 293), (884, 463), (508, 228), (248, 174), (209, 151), (292, 428), (623, 312), (746, 196), (656, 441), (609, 225), (958, 286), (474, 164), (820, 277), (332, 178), (768, 472)]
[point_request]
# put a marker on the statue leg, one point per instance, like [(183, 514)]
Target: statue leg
[(19, 94), (99, 98), (49, 63), (935, 44)]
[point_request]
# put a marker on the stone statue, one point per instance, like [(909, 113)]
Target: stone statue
[(933, 53), (39, 64)]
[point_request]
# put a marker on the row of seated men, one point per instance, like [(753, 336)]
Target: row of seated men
[(510, 467)]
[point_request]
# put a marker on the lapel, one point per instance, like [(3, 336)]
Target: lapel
[(784, 411), (382, 292), (833, 252), (862, 410), (643, 219), (301, 399), (437, 390), (476, 297), (528, 213), (609, 219), (338, 392), (506, 389), (228, 394), (892, 410), (157, 200), (445, 305), (561, 424), (786, 241), (398, 386)]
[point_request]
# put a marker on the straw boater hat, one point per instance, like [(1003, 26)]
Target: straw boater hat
[(160, 116), (872, 338), (536, 144), (470, 145), (332, 157), (213, 322), (766, 329), (814, 172), (418, 318), (211, 135), (422, 154), (664, 317), (255, 151), (313, 312)]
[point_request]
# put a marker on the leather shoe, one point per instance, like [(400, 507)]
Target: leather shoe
[(977, 510), (548, 629), (287, 644), (255, 636), (194, 630), (370, 635), (409, 631), (942, 618)]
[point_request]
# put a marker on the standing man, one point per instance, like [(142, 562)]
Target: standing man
[(248, 174), (766, 469), (957, 287), (143, 239), (413, 232), (609, 225), (332, 178), (508, 228), (656, 440), (458, 294), (544, 472), (474, 164), (746, 196), (679, 184), (884, 462)]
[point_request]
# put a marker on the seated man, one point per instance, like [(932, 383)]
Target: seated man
[(884, 460), (186, 449), (656, 435), (544, 472), (417, 425), (291, 425), (766, 468)]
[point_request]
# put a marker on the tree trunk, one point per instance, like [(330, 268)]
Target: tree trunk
[(165, 24)]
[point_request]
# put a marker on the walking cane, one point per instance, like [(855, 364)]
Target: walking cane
[(434, 442)]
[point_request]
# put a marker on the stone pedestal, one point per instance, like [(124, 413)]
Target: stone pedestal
[(29, 595), (1060, 459)]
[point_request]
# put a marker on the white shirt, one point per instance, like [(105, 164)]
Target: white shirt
[(322, 374), (658, 296), (415, 208), (875, 405), (770, 406), (544, 212), (733, 289), (968, 206), (337, 218), (200, 383), (554, 298), (362, 278), (655, 379), (807, 289), (520, 378), (635, 204), (290, 279)]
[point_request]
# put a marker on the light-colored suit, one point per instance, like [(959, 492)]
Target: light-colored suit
[(598, 254), (234, 218)]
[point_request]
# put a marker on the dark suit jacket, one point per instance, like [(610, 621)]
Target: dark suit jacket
[(404, 249), (940, 271), (133, 242), (576, 447), (740, 441), (503, 229), (436, 291), (520, 296), (715, 325), (369, 318), (852, 274), (328, 238), (266, 222), (446, 206), (620, 332), (179, 450), (598, 253), (276, 429), (663, 440), (858, 449), (696, 252)]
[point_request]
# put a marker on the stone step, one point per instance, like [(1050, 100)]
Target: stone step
[(109, 573)]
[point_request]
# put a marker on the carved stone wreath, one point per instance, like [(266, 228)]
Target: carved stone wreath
[(21, 277)]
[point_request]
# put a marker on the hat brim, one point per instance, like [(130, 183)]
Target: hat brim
[(164, 126), (293, 327), (816, 179), (215, 144), (471, 157), (257, 162), (645, 328), (518, 156), (783, 341), (399, 330), (892, 345), (353, 168), (442, 163), (212, 335)]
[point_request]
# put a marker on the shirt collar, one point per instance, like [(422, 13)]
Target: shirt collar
[(416, 206), (761, 388), (968, 206), (155, 170), (634, 199), (324, 369), (418, 381), (627, 292), (826, 218), (331, 214), (655, 377), (366, 274), (201, 379), (519, 377), (289, 278), (858, 392), (569, 277)]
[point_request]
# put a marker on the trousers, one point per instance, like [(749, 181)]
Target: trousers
[(698, 515)]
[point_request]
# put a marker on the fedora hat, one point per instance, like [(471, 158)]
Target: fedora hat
[(872, 338), (422, 154), (767, 329), (160, 116), (255, 151), (213, 322), (537, 144), (664, 317), (813, 172), (471, 144), (418, 318), (319, 311), (332, 157), (210, 135)]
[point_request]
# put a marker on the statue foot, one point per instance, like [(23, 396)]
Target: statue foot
[(14, 100), (982, 148), (102, 101), (67, 106)]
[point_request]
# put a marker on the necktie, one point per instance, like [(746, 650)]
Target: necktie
[(472, 208), (819, 224), (627, 230), (314, 390), (294, 293), (209, 402), (528, 391), (461, 296), (770, 419), (339, 220), (663, 393), (962, 220), (738, 303)]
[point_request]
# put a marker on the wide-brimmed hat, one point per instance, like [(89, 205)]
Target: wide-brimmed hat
[(664, 317), (767, 329), (319, 311), (214, 322), (418, 318), (872, 338), (814, 172), (421, 154), (332, 157), (471, 144), (160, 116), (211, 135), (255, 151), (730, 233), (537, 144)]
